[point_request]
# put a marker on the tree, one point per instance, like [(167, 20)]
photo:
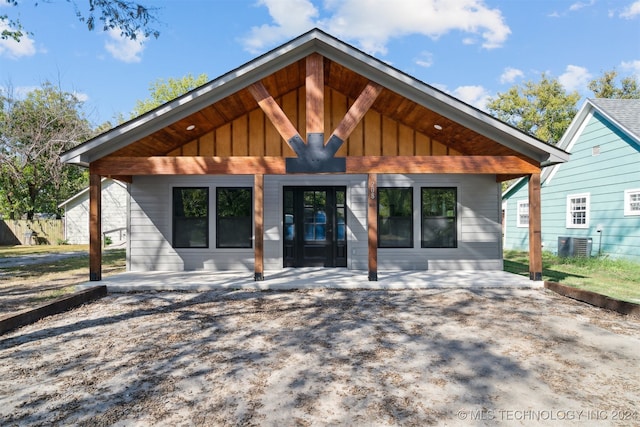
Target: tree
[(129, 17), (543, 109), (605, 86), (162, 91), (33, 133)]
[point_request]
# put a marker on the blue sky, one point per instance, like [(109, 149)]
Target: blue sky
[(472, 49)]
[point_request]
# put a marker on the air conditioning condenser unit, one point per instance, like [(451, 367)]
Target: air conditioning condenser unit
[(574, 246)]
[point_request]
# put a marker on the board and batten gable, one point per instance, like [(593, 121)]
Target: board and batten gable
[(604, 164), (478, 229)]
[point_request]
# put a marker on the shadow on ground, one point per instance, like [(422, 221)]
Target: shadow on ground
[(323, 356)]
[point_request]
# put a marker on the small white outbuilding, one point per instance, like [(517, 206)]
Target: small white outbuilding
[(114, 214)]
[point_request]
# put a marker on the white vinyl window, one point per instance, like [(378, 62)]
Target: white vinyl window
[(578, 211), (523, 213), (631, 202)]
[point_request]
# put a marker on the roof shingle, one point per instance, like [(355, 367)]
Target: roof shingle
[(624, 111)]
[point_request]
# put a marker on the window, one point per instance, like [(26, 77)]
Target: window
[(578, 211), (631, 202), (523, 213), (439, 219), (395, 217), (234, 220), (190, 217), (315, 216)]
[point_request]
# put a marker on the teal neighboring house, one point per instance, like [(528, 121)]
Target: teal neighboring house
[(591, 204)]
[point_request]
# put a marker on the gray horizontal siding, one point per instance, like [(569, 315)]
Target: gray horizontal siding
[(479, 226), (150, 234), (479, 231)]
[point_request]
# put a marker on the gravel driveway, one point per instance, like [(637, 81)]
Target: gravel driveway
[(325, 357), (43, 258)]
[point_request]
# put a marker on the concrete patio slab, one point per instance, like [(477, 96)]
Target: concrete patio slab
[(311, 278)]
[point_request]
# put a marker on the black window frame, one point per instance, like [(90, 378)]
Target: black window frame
[(445, 217), (411, 237), (176, 234), (249, 240)]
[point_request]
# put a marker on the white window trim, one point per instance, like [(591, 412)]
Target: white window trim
[(518, 222), (627, 202), (587, 218)]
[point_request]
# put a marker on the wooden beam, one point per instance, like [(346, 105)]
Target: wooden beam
[(272, 165), (503, 178), (273, 111), (440, 164), (535, 228), (122, 178), (372, 225), (95, 227), (190, 165), (357, 111), (315, 94), (258, 220)]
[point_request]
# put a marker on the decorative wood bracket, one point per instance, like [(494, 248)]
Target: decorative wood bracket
[(315, 156)]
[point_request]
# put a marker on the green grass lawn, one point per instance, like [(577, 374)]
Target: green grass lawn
[(22, 250), (618, 279), (45, 281)]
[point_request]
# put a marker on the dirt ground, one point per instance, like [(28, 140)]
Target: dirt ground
[(324, 357), (34, 285)]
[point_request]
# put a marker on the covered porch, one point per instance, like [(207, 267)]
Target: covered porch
[(312, 278)]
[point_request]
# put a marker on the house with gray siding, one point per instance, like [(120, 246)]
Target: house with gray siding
[(114, 214), (314, 154), (591, 204)]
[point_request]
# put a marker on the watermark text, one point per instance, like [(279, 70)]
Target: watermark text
[(547, 415)]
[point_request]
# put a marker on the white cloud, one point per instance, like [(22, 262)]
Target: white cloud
[(373, 27), (19, 92), (575, 78), (579, 5), (22, 91), (124, 49), (13, 49), (631, 66), (425, 59), (473, 95), (632, 11), (574, 7), (510, 75), (81, 96), (284, 26)]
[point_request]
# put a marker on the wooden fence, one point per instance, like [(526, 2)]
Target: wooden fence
[(36, 232)]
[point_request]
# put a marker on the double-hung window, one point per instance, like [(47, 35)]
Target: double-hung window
[(439, 218), (523, 213), (190, 217), (395, 217), (234, 221), (631, 202), (578, 211)]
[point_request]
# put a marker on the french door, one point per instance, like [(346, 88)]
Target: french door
[(315, 229)]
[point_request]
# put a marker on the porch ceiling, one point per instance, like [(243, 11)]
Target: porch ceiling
[(337, 77)]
